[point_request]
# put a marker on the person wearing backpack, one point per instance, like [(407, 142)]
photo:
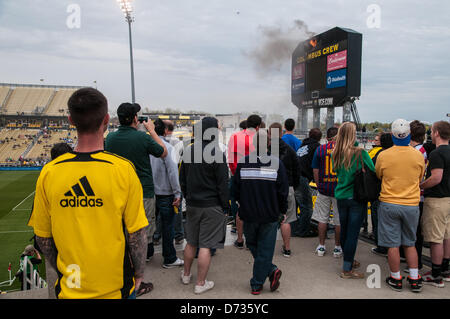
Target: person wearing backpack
[(401, 168), (345, 159)]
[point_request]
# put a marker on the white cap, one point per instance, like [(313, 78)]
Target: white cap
[(400, 129)]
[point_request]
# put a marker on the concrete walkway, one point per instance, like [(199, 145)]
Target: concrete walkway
[(305, 276)]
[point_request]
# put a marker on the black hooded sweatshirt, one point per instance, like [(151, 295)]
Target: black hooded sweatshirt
[(306, 154), (204, 170), (291, 162)]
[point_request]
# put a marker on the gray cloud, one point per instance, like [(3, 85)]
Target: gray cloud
[(276, 45), (189, 54)]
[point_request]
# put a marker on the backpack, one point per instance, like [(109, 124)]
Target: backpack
[(367, 186)]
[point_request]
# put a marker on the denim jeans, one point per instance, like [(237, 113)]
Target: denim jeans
[(178, 226), (374, 218), (166, 214), (261, 239), (303, 197), (234, 206), (351, 216)]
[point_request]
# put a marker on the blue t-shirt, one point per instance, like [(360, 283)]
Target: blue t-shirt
[(292, 141)]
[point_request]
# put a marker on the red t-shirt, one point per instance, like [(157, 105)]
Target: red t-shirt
[(240, 145)]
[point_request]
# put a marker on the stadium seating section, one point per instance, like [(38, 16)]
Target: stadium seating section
[(33, 144), (27, 100), (14, 142)]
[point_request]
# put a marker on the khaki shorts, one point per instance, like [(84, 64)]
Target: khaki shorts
[(149, 207), (323, 206), (436, 219), (291, 213)]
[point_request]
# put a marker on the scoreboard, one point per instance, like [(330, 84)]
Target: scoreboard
[(326, 69)]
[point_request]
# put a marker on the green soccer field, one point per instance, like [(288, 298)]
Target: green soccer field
[(16, 200)]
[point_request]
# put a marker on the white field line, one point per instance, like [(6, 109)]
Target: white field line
[(32, 193), (16, 231)]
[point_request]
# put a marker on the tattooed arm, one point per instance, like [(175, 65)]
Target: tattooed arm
[(138, 247), (47, 245)]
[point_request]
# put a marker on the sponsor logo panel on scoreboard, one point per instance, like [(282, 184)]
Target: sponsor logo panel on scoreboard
[(326, 69)]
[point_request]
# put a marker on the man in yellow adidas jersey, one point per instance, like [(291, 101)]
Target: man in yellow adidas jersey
[(88, 212)]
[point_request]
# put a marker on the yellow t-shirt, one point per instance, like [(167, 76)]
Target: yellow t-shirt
[(85, 201), (374, 151), (400, 169)]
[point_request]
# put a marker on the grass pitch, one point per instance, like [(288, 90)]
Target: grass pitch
[(16, 200)]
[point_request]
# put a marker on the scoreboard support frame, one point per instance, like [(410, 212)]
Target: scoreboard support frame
[(349, 111)]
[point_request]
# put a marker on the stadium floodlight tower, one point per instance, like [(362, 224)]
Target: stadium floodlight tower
[(127, 9)]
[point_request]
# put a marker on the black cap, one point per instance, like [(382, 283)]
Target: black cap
[(127, 111)]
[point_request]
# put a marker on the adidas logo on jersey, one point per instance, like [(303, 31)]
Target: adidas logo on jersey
[(82, 196)]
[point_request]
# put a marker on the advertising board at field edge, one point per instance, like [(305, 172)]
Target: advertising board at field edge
[(337, 61)]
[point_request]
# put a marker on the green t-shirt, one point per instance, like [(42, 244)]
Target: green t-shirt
[(346, 178), (136, 146)]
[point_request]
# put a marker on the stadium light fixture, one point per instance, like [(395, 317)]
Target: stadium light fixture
[(127, 9)]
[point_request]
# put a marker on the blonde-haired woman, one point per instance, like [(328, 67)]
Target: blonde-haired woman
[(346, 161)]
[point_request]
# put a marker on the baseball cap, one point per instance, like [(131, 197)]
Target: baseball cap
[(401, 132), (127, 111), (28, 250)]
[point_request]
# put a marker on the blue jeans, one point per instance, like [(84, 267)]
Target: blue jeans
[(261, 239), (351, 216), (166, 214), (178, 226), (303, 197), (234, 206)]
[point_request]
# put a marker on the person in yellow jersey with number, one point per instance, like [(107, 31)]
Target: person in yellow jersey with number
[(88, 212)]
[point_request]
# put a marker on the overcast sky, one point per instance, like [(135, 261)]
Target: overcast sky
[(200, 54)]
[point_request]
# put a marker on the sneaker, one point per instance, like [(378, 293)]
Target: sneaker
[(257, 291), (416, 284), (286, 252), (179, 241), (185, 279), (429, 279), (352, 275), (320, 251), (239, 245), (201, 289), (176, 263), (337, 252), (446, 275), (274, 279), (379, 251), (395, 284)]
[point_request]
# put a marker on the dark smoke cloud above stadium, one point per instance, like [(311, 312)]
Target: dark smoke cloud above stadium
[(276, 45), (227, 56)]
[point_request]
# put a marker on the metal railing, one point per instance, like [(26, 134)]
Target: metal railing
[(35, 281)]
